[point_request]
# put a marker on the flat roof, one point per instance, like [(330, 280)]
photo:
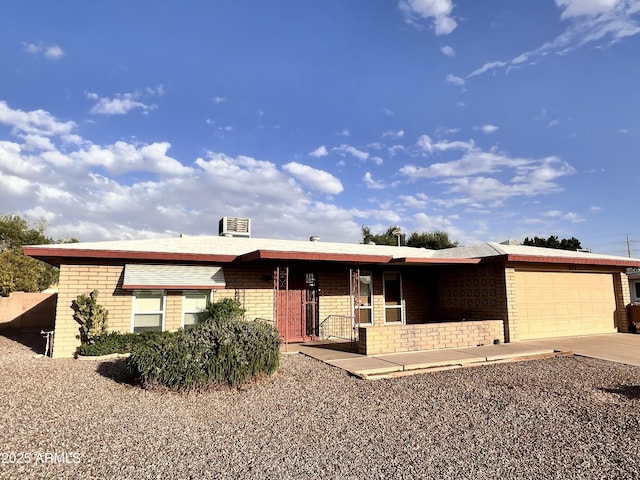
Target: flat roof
[(218, 249)]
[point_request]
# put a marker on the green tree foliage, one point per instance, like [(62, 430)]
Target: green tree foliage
[(432, 240), (553, 242), (17, 271), (386, 238)]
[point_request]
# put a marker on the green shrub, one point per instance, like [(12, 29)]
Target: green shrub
[(91, 316), (225, 352), (115, 342), (225, 309)]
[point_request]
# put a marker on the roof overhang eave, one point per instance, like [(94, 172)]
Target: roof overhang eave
[(313, 256), (58, 254), (602, 262)]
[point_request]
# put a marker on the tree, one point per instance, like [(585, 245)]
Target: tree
[(553, 242), (390, 237), (17, 271), (431, 240)]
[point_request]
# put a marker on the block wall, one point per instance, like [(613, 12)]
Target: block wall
[(623, 299), (377, 340), (82, 279), (28, 310), (253, 287)]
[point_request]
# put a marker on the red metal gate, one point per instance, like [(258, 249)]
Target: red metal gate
[(295, 305)]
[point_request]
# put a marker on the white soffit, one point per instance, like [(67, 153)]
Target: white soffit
[(137, 276)]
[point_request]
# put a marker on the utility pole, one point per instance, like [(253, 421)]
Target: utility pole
[(628, 247)]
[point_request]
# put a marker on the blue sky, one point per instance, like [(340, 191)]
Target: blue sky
[(490, 120)]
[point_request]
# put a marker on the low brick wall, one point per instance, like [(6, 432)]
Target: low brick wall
[(376, 340)]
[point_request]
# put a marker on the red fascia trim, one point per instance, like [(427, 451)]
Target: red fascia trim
[(441, 261), (171, 287), (313, 256), (574, 261), (42, 253)]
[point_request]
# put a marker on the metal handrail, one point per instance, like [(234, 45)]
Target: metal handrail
[(338, 326)]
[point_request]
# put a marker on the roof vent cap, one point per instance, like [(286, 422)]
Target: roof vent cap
[(314, 238)]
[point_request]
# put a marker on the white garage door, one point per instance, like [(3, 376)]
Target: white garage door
[(556, 304)]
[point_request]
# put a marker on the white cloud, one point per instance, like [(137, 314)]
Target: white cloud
[(589, 22), (418, 201), (428, 146), (344, 149), (553, 123), (36, 122), (50, 52), (567, 216), (454, 80), (487, 128), (53, 52), (589, 8), (345, 132), (321, 151), (122, 157), (448, 51), (392, 134), (319, 180), (444, 25), (218, 100), (124, 191), (121, 104), (437, 10), (466, 176), (395, 149), (371, 183)]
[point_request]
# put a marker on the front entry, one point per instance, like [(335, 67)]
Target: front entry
[(297, 317)]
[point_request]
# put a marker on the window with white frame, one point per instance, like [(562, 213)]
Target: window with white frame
[(392, 297), (366, 298), (194, 304), (148, 310)]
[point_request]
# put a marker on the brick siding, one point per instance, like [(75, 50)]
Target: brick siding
[(376, 340)]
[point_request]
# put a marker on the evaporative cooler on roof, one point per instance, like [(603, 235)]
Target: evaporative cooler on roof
[(234, 227)]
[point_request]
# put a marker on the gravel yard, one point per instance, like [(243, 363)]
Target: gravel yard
[(565, 417)]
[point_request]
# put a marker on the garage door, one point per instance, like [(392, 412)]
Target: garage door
[(556, 304)]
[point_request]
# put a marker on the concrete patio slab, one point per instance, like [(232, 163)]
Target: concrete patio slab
[(431, 358), (613, 347), (366, 365), (492, 353), (380, 366)]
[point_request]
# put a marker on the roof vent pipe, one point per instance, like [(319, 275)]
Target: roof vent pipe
[(314, 238)]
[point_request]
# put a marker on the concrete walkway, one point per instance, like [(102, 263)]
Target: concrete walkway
[(614, 347), (398, 364)]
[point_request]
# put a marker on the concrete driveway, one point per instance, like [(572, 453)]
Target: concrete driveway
[(614, 347)]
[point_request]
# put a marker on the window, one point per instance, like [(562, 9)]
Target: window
[(366, 303), (636, 291), (148, 310), (193, 304), (392, 297)]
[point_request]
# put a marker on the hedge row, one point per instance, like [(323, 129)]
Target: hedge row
[(216, 351), (115, 342)]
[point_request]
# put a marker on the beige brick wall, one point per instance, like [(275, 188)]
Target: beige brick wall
[(252, 286), (623, 298), (82, 279), (335, 298), (377, 340)]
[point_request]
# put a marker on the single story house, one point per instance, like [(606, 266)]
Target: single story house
[(384, 298)]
